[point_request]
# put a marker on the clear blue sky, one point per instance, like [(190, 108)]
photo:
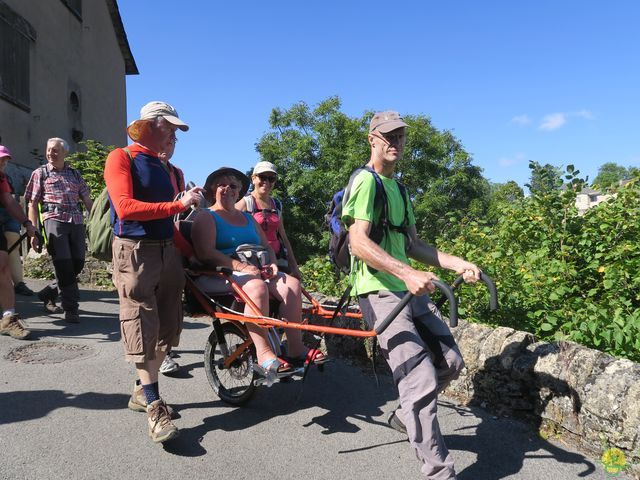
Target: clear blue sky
[(551, 81)]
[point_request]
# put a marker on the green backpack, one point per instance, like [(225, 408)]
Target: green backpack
[(99, 225)]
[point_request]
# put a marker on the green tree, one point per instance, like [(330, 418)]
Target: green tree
[(90, 162), (544, 178), (317, 149), (609, 175), (500, 194)]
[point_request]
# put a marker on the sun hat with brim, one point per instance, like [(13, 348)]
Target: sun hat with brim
[(151, 111), (264, 167), (385, 122), (221, 172), (4, 152)]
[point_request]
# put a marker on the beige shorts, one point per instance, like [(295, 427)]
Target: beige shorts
[(149, 277)]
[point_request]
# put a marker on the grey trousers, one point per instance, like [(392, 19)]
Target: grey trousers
[(424, 358), (66, 245)]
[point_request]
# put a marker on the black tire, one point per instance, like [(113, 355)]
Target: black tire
[(232, 385)]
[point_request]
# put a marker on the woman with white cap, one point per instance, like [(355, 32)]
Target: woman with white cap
[(267, 211)]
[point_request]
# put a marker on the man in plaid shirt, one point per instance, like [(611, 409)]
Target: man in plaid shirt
[(58, 189)]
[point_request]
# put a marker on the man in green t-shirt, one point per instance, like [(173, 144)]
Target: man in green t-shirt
[(418, 345)]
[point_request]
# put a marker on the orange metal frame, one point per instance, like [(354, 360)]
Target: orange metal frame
[(264, 321)]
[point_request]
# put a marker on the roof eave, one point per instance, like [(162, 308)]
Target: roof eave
[(130, 67)]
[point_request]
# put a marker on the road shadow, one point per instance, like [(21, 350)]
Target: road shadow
[(94, 323), (21, 406), (345, 394), (502, 444)]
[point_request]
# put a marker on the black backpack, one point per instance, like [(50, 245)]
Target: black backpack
[(339, 252)]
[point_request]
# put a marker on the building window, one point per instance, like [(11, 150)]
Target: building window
[(16, 35), (75, 6)]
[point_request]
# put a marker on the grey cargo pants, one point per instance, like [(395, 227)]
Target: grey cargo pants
[(424, 358)]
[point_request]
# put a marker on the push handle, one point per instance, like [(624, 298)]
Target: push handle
[(453, 301), (487, 280), (394, 313), (446, 290)]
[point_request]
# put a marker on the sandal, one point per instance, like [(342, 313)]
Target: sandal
[(313, 355), (274, 367)]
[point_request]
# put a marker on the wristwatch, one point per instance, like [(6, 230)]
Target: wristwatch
[(26, 223)]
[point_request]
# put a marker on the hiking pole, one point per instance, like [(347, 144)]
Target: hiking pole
[(22, 237), (18, 242)]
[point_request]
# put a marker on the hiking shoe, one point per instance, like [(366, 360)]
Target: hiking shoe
[(21, 289), (51, 307), (395, 423), (169, 365), (72, 317), (138, 402), (48, 296), (12, 325), (161, 429)]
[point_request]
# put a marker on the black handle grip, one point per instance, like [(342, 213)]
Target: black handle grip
[(40, 238), (493, 291), (488, 281), (446, 290), (394, 313), (453, 301)]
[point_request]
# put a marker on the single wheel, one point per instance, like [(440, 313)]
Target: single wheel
[(234, 385)]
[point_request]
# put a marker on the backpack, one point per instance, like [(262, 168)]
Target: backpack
[(99, 225), (339, 251)]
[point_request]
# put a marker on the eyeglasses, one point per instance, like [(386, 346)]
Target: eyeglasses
[(268, 178), (390, 138), (230, 186)]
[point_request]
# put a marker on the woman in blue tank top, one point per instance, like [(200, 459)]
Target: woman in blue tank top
[(229, 228)]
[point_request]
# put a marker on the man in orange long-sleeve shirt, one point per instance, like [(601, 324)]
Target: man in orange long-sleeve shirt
[(147, 269)]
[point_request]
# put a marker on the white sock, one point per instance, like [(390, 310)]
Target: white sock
[(9, 311)]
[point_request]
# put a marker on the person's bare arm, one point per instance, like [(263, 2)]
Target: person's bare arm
[(291, 258), (241, 205), (88, 203), (417, 282), (429, 255)]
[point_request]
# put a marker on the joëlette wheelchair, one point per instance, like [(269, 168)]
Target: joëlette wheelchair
[(230, 359)]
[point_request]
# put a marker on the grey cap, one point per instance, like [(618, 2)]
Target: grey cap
[(386, 121)]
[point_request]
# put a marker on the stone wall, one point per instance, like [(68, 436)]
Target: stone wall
[(563, 388)]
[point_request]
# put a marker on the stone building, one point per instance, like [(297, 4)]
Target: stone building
[(62, 74), (588, 198)]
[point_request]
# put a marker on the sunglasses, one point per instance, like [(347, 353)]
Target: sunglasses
[(230, 186), (268, 178), (392, 139)]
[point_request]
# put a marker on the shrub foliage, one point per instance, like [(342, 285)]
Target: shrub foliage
[(561, 275)]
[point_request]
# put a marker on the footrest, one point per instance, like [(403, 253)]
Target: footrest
[(266, 380)]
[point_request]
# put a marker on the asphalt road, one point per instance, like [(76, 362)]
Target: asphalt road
[(69, 420)]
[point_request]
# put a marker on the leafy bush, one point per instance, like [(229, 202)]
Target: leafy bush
[(319, 276), (561, 275), (90, 163), (39, 267)]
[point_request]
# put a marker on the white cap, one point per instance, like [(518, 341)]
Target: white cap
[(262, 167)]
